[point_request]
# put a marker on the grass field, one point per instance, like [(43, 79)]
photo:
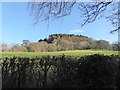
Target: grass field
[(72, 53)]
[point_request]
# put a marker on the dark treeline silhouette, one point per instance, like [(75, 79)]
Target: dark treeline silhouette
[(62, 42), (93, 71)]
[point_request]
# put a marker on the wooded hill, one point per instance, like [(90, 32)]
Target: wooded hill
[(62, 42)]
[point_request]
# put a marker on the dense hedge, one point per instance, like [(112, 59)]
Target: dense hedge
[(93, 71)]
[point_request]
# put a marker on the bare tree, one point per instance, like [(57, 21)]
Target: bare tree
[(46, 11)]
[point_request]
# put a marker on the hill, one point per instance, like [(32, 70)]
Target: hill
[(62, 42)]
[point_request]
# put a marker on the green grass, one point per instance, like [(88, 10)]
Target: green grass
[(72, 53)]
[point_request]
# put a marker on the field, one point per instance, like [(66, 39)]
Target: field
[(72, 53)]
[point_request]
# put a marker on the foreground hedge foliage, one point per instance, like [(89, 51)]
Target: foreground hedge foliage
[(93, 71)]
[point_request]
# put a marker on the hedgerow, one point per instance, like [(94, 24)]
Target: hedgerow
[(92, 71)]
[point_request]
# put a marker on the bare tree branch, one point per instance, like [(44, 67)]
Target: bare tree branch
[(46, 11), (92, 10), (43, 11)]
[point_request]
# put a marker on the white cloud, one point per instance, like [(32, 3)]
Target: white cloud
[(76, 31)]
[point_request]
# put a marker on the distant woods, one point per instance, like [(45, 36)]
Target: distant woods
[(61, 42)]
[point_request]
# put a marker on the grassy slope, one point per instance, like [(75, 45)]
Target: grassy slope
[(73, 53)]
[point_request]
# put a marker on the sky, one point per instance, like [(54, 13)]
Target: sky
[(17, 25)]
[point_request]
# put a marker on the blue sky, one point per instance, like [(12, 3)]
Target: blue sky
[(17, 25)]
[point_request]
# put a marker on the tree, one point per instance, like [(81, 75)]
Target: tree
[(18, 48), (115, 47), (40, 40), (50, 39), (103, 44), (46, 11), (45, 40), (92, 44), (38, 46), (5, 48), (30, 49), (84, 45), (64, 44), (26, 42), (51, 48)]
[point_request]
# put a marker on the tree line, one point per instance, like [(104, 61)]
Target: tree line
[(61, 42)]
